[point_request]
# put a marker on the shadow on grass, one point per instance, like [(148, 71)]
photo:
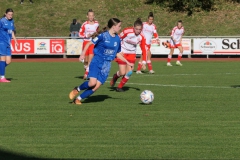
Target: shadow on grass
[(124, 88), (10, 79), (235, 86), (96, 98), (79, 77), (9, 155)]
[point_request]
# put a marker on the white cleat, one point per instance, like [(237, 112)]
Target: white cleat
[(151, 72), (169, 64), (139, 72), (178, 63)]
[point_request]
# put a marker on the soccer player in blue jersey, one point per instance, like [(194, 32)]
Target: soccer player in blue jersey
[(6, 35), (107, 45)]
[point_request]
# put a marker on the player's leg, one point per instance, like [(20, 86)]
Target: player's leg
[(87, 84), (8, 60), (121, 72), (149, 62), (4, 53), (128, 72), (95, 83), (139, 66), (90, 56), (171, 47), (89, 88), (179, 55), (125, 78), (170, 57)]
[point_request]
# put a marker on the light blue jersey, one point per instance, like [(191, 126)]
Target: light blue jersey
[(105, 50), (6, 29)]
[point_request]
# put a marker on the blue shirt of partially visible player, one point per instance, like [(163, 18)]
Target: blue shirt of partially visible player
[(6, 29)]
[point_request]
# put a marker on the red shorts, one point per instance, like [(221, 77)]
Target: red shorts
[(129, 57), (175, 45), (90, 48)]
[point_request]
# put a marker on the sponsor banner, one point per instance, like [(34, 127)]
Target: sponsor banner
[(216, 46), (57, 46), (25, 46), (74, 46), (42, 46), (164, 49)]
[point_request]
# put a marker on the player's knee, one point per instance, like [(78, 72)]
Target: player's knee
[(122, 73), (92, 83)]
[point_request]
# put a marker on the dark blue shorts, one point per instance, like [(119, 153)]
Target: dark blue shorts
[(5, 50), (99, 69)]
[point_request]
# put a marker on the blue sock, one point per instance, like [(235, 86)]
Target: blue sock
[(86, 93), (2, 68), (84, 86)]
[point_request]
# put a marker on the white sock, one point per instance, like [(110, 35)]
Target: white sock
[(2, 77)]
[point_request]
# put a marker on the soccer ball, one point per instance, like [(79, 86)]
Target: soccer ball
[(147, 97)]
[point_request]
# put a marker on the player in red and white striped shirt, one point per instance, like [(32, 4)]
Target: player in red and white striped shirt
[(176, 42), (149, 30), (130, 37), (87, 29)]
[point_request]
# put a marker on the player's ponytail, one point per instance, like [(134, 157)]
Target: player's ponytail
[(138, 22), (111, 22), (150, 14)]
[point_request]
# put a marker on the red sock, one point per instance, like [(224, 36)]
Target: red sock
[(123, 81), (169, 58), (149, 64), (115, 76), (179, 56), (139, 66)]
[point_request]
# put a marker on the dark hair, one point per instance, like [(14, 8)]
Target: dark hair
[(180, 21), (150, 14), (74, 21), (111, 22), (90, 10), (138, 22), (8, 10)]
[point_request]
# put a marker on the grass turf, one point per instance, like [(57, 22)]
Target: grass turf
[(195, 113)]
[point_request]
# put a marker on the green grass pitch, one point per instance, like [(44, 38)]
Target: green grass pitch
[(195, 113)]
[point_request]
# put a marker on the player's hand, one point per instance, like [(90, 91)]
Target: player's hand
[(130, 64), (16, 43), (81, 58), (89, 35), (158, 42)]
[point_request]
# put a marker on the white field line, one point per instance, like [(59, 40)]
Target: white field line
[(179, 86), (187, 74)]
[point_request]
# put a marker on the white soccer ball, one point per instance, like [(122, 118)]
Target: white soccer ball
[(147, 97)]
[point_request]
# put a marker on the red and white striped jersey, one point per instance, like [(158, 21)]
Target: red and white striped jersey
[(177, 33), (149, 30), (130, 41), (87, 28)]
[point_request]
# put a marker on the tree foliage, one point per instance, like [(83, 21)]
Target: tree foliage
[(186, 5)]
